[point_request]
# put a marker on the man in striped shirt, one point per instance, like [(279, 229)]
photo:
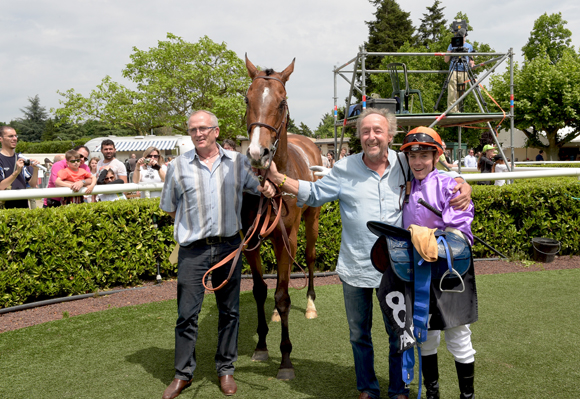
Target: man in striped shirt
[(203, 193)]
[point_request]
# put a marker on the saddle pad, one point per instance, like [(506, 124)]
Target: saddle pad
[(394, 248)]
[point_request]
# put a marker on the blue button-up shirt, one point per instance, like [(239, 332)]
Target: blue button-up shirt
[(364, 196), (207, 203)]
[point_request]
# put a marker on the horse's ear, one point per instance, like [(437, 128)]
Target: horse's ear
[(288, 71), (252, 70)]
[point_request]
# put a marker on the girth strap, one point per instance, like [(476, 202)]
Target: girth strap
[(422, 284)]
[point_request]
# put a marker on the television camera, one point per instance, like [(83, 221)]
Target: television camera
[(459, 28)]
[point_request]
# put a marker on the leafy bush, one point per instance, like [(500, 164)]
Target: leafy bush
[(78, 249), (49, 147), (508, 217)]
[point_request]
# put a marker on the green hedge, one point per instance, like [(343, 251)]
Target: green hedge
[(84, 248), (49, 147), (79, 249), (508, 217)]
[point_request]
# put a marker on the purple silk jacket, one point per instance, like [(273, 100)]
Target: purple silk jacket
[(436, 189)]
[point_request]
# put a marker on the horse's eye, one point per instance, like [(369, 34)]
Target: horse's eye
[(246, 100), (282, 104)]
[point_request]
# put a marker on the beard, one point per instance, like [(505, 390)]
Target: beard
[(379, 155)]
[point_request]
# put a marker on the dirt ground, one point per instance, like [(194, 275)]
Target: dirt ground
[(151, 292)]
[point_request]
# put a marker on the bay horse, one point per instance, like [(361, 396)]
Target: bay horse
[(267, 118)]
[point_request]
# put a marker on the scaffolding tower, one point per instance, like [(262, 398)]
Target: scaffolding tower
[(444, 119)]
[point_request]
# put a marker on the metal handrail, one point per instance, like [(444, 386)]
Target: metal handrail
[(35, 193)]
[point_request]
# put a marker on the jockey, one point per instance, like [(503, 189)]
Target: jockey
[(449, 311)]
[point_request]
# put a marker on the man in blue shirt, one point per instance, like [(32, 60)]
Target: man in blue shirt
[(13, 174), (458, 66), (203, 193), (540, 156), (370, 186)]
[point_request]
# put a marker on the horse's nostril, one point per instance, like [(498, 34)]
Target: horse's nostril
[(265, 152)]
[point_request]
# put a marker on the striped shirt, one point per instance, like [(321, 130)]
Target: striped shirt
[(207, 203)]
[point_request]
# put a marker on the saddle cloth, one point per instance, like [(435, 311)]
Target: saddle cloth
[(394, 248)]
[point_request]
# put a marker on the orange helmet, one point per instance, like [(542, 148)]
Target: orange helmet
[(422, 139)]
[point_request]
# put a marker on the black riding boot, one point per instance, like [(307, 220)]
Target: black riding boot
[(465, 376), (430, 376)]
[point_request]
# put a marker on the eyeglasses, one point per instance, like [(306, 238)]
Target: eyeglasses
[(152, 156), (75, 161), (109, 178), (83, 158), (202, 130), (9, 137)]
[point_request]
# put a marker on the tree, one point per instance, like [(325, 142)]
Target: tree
[(546, 87), (325, 129), (546, 99), (305, 130), (391, 28), (292, 128), (172, 80), (549, 36), (31, 127), (431, 85), (432, 26)]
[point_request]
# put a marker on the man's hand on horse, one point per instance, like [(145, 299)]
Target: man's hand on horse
[(320, 170), (284, 182), (462, 201), (269, 190)]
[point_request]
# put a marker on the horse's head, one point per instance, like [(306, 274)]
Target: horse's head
[(267, 113)]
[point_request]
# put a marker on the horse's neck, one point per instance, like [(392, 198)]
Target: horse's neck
[(281, 157)]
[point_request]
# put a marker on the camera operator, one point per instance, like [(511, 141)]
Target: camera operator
[(458, 75), (15, 171)]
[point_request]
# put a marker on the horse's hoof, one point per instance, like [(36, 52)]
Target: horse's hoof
[(276, 317), (311, 314), (286, 374), (260, 356)]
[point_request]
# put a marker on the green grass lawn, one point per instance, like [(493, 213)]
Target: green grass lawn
[(526, 341)]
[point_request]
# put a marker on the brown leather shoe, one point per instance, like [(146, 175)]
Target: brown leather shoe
[(364, 395), (228, 385), (175, 388)]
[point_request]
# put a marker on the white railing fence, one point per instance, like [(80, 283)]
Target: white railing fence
[(35, 193)]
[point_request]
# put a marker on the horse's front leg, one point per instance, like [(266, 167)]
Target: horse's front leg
[(286, 371), (260, 291)]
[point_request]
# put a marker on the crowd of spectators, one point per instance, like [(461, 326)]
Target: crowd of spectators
[(151, 167), (75, 170)]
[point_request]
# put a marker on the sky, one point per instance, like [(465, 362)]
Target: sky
[(47, 46)]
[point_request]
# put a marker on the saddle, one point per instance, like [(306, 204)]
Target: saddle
[(394, 248)]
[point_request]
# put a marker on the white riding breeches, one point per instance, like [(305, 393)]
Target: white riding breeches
[(458, 340)]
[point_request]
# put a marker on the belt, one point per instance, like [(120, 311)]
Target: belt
[(211, 241)]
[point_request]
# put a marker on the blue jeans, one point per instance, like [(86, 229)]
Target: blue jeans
[(193, 262), (359, 313)]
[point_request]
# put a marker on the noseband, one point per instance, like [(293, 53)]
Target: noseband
[(284, 122)]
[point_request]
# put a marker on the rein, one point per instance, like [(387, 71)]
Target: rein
[(266, 230)]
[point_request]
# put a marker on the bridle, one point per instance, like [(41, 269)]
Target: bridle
[(266, 207), (284, 122)]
